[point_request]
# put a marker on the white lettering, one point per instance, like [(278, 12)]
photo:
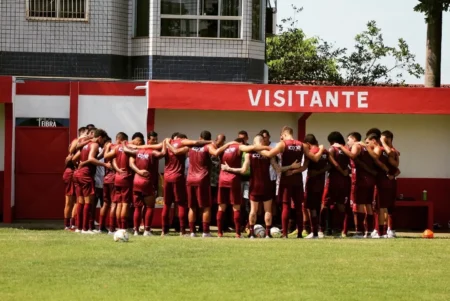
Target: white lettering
[(254, 102), (290, 98), (332, 99), (267, 98), (143, 156), (43, 122), (362, 100), (295, 148), (347, 95), (315, 100), (302, 97), (280, 99)]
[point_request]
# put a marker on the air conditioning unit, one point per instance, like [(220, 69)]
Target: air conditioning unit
[(271, 18)]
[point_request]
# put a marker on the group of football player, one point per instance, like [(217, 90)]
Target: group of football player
[(234, 183)]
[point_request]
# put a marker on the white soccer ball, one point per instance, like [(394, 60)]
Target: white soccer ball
[(121, 235), (260, 231), (275, 232)]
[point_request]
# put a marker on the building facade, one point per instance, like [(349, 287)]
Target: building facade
[(202, 40)]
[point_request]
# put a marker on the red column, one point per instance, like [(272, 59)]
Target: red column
[(73, 115), (150, 120), (301, 126), (8, 174)]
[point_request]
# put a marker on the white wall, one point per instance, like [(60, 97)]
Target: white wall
[(192, 122), (2, 137), (42, 106), (114, 113), (421, 139)]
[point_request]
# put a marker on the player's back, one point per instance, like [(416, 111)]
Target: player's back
[(293, 151), (323, 161), (260, 175), (199, 164), (361, 173), (88, 169), (341, 159), (175, 164), (122, 179), (233, 157)]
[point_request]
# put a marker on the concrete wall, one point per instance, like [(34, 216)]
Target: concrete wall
[(421, 139)]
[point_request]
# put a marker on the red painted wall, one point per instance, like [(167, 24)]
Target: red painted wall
[(1, 191)]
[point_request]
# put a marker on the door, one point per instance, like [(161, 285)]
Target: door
[(39, 164)]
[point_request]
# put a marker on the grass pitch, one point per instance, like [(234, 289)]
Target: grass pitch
[(59, 265)]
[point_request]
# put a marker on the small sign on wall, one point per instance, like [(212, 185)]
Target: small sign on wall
[(43, 122)]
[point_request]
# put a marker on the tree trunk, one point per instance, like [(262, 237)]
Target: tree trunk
[(434, 46)]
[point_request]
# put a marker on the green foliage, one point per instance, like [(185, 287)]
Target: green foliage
[(428, 6), (291, 56)]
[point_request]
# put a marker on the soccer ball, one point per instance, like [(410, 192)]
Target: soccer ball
[(428, 234), (121, 235), (260, 231), (275, 232)]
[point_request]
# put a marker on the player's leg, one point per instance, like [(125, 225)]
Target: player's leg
[(236, 201), (390, 212), (204, 202), (68, 207), (267, 205), (298, 195), (254, 204), (312, 198), (106, 207), (74, 215), (181, 200), (306, 221), (368, 200), (168, 201), (193, 206), (149, 202), (126, 199), (138, 204), (284, 197), (223, 198)]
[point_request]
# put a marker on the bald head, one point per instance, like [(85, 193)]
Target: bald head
[(220, 140), (258, 140)]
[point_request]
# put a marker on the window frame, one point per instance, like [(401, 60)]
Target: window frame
[(261, 22), (199, 18), (58, 12)]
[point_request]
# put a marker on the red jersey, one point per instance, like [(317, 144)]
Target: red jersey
[(343, 161), (363, 177), (317, 183), (175, 164), (233, 157), (199, 165), (293, 150), (382, 179), (87, 170), (145, 160), (109, 173), (260, 183), (123, 162)]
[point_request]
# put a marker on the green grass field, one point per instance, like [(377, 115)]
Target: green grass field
[(58, 265)]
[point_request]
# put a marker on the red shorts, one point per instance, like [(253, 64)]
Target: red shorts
[(175, 192), (261, 198), (387, 195), (85, 186), (199, 195), (230, 195), (68, 182), (122, 195), (337, 193), (108, 192), (364, 195), (138, 198), (291, 194)]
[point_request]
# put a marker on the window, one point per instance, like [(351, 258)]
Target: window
[(142, 21), (257, 20), (201, 18), (75, 10)]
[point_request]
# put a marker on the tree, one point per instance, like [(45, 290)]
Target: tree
[(433, 17), (291, 56)]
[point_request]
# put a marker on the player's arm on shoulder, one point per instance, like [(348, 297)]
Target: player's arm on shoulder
[(111, 153), (353, 153), (386, 147), (213, 150), (162, 153), (221, 149), (73, 146), (76, 157), (253, 148), (394, 159), (333, 162), (278, 149), (177, 151), (242, 170), (92, 158), (147, 146), (187, 142), (129, 151), (313, 157), (81, 142)]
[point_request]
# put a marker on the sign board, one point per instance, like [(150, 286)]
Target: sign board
[(43, 122)]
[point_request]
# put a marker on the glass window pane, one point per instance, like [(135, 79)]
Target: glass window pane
[(178, 28), (209, 7), (230, 29), (208, 28), (142, 18), (256, 20), (170, 7), (189, 7), (231, 8)]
